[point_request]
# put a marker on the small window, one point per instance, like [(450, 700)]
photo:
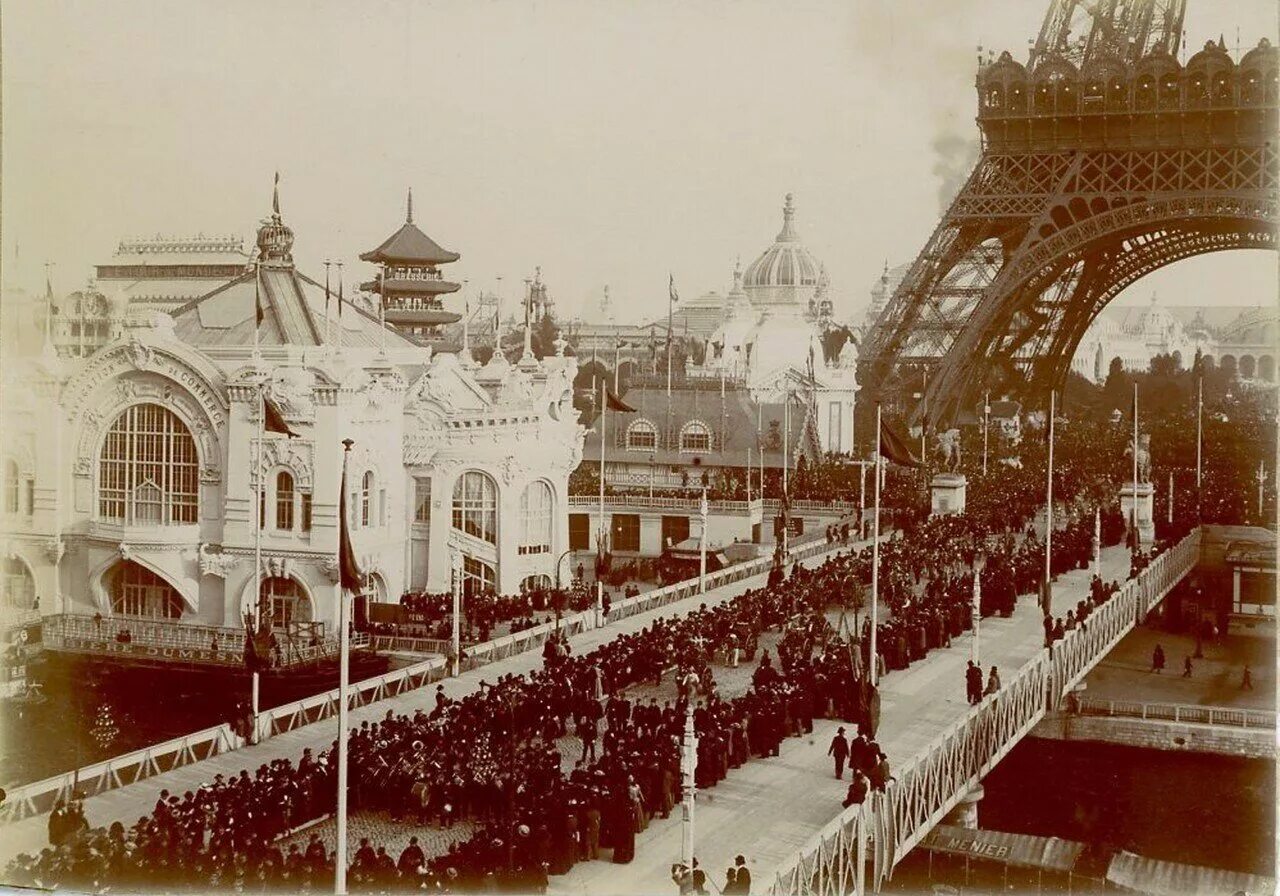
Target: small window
[(366, 499), (695, 437), (422, 500), (642, 436), (11, 487), (284, 501), (305, 511)]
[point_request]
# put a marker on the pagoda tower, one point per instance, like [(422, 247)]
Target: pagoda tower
[(410, 286)]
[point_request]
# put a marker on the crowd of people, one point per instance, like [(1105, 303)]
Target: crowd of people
[(495, 759)]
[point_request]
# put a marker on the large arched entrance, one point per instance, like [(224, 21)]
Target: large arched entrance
[(19, 587), (139, 593)]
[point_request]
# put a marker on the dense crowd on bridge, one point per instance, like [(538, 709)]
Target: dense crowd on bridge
[(494, 758)]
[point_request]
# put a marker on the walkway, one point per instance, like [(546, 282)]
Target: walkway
[(130, 802), (769, 809)]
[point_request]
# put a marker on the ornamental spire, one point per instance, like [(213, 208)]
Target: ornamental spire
[(409, 212)]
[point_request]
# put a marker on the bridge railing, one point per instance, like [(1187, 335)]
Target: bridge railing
[(1225, 716), (39, 797), (933, 781)]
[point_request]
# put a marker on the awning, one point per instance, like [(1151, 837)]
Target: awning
[(1020, 850), (1143, 875)]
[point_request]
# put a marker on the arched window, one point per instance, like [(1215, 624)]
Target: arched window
[(11, 486), (148, 471), (535, 518), (137, 591), (366, 498), (19, 587), (477, 576), (284, 500), (695, 437), (475, 506), (642, 436), (288, 602)]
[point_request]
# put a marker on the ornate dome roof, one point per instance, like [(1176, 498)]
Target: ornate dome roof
[(786, 272)]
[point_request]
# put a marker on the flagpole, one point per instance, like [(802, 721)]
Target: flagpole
[(1134, 505), (786, 465), (327, 328), (670, 327), (600, 548), (875, 558), (1048, 516), (1199, 432), (344, 676), (338, 328)]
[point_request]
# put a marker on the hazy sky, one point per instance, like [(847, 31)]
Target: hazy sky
[(607, 141)]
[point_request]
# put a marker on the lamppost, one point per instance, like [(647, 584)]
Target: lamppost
[(986, 428), (979, 563), (702, 545), (1262, 481), (456, 561), (690, 768)]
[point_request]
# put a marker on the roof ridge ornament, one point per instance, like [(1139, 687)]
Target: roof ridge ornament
[(408, 217), (788, 233)]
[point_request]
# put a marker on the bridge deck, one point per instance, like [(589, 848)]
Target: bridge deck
[(130, 802), (770, 808)]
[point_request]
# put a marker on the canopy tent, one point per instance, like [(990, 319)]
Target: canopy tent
[(1143, 875), (1018, 850)]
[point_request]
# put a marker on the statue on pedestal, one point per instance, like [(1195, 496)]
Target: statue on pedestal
[(949, 449), (1144, 456)]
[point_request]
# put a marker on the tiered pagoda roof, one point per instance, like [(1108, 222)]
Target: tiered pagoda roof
[(409, 281)]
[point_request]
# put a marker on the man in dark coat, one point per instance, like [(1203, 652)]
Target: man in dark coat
[(743, 879), (840, 750), (973, 682)]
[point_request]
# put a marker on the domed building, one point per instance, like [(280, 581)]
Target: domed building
[(786, 274)]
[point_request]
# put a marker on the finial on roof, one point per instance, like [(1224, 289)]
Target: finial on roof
[(275, 196), (408, 217), (788, 232)]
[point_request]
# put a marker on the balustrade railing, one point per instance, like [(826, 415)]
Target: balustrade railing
[(1225, 716), (882, 831), (174, 640), (57, 629), (39, 797)]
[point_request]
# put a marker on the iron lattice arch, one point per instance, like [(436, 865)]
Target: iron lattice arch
[(1088, 180)]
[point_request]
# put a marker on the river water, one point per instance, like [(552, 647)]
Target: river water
[(1195, 808), (94, 711)]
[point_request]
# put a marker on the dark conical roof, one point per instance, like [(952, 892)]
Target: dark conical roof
[(411, 246)]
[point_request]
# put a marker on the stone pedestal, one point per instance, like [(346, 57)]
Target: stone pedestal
[(965, 813), (1143, 502), (948, 491)]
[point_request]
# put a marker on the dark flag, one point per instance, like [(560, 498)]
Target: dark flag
[(614, 403), (251, 660), (257, 297), (273, 420), (349, 576), (894, 448)]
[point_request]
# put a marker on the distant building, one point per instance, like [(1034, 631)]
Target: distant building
[(168, 272), (776, 370)]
